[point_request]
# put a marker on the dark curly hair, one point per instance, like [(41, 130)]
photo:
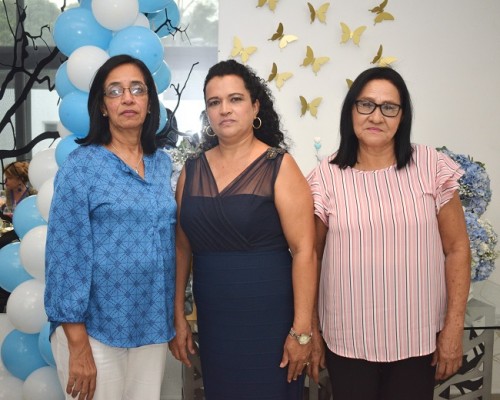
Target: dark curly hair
[(99, 125), (348, 149), (270, 132)]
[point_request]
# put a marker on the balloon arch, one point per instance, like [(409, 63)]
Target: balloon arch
[(88, 35)]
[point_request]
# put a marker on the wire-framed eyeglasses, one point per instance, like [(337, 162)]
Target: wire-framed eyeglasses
[(136, 89), (366, 107)]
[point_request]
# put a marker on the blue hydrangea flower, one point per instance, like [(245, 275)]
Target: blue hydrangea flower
[(475, 194), (474, 190), (483, 241)]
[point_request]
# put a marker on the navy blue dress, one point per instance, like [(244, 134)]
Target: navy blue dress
[(242, 280)]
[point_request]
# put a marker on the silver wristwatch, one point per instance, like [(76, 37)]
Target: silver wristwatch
[(302, 338)]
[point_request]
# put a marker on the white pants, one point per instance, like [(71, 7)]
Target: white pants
[(122, 373)]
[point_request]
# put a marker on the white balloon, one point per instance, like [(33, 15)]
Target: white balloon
[(115, 14), (83, 64), (141, 20), (25, 307), (42, 167), (44, 198), (63, 131), (11, 388), (32, 252), (43, 384)]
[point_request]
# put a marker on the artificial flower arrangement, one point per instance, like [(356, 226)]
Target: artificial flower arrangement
[(475, 194)]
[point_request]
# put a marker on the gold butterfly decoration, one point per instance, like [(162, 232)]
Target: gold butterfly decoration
[(270, 3), (382, 15), (279, 79), (320, 13), (349, 83), (312, 107), (283, 39), (243, 52), (355, 35), (382, 61), (314, 62)]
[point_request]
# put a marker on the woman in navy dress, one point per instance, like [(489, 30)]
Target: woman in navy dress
[(246, 224)]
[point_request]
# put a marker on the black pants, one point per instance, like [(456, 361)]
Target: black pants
[(356, 379)]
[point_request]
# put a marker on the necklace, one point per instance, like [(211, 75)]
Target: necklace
[(136, 169)]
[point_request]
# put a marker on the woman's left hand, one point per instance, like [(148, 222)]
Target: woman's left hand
[(296, 356), (448, 355)]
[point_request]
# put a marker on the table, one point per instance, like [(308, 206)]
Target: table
[(472, 381)]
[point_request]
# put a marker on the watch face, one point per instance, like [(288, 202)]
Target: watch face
[(304, 339)]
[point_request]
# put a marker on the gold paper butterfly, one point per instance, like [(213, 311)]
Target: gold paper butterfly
[(315, 62), (380, 7), (382, 61), (239, 50), (278, 78), (354, 35), (312, 106), (381, 14), (270, 3), (283, 39), (349, 82), (320, 13)]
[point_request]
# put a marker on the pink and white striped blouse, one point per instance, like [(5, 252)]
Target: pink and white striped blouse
[(382, 291)]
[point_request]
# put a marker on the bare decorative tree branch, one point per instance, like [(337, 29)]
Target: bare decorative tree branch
[(26, 53)]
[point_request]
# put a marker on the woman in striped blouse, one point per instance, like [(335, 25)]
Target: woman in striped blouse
[(395, 267)]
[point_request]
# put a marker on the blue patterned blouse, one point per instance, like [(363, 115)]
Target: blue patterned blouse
[(110, 253)]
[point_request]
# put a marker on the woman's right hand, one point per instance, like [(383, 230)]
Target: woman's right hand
[(182, 343), (82, 369)]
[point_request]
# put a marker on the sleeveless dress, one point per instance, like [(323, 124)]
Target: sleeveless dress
[(242, 280)]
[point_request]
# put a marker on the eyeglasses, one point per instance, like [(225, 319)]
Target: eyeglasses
[(136, 89), (366, 107)]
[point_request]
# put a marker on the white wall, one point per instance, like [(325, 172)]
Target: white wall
[(448, 52)]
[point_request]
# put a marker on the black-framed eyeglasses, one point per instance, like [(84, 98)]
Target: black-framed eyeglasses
[(136, 89), (366, 107)]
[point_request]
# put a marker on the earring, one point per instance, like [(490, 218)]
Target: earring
[(104, 114), (209, 131), (260, 123)]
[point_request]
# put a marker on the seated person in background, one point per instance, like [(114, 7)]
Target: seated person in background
[(17, 186)]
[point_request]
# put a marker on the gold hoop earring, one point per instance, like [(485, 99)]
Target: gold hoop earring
[(260, 123), (207, 131)]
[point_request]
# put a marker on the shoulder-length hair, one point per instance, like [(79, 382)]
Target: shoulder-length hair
[(348, 149), (270, 131), (99, 132)]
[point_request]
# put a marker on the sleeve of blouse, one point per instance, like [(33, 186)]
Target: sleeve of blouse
[(447, 175), (318, 190), (68, 254)]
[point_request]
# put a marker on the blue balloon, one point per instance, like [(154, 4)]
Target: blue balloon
[(64, 147), (12, 273), (44, 345), (73, 113), (77, 27), (163, 118), (150, 6), (139, 42), (20, 354), (63, 84), (26, 216), (165, 21), (162, 77)]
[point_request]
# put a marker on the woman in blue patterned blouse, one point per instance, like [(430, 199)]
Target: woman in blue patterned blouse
[(110, 246)]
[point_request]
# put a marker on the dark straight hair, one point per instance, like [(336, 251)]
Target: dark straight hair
[(348, 149), (99, 132)]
